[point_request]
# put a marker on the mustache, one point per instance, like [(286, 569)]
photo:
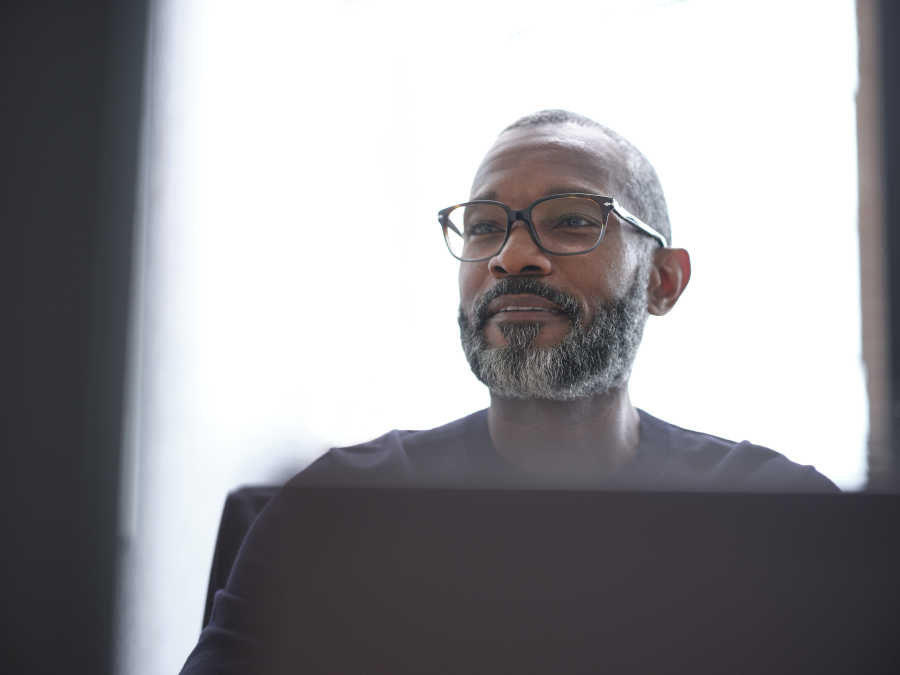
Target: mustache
[(529, 285)]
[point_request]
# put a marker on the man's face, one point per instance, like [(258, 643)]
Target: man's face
[(524, 165)]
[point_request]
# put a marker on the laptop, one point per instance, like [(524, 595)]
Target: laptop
[(527, 581)]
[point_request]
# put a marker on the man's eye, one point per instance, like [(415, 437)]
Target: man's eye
[(576, 223), (483, 228)]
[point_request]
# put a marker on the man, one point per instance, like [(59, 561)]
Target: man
[(554, 296), (564, 252)]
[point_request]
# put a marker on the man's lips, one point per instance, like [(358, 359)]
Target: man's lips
[(522, 303)]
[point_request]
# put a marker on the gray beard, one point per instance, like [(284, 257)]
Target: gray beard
[(587, 362)]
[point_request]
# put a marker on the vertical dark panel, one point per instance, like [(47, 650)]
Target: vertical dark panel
[(874, 296), (70, 101), (890, 73)]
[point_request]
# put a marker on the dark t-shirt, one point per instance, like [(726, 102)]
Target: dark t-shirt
[(459, 454)]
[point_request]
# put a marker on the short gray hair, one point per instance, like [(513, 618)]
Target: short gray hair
[(642, 191)]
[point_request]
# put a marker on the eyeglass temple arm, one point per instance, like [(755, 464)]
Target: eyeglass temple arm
[(638, 223)]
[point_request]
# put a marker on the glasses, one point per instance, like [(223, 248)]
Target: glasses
[(568, 224)]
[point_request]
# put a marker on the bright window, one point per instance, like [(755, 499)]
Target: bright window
[(273, 121)]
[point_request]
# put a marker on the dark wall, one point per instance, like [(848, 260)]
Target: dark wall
[(890, 73), (71, 78)]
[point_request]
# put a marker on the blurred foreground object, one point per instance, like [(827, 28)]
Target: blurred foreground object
[(453, 581), (71, 77)]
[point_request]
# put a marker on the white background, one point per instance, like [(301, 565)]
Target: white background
[(296, 293)]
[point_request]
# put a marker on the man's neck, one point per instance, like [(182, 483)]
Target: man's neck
[(569, 442)]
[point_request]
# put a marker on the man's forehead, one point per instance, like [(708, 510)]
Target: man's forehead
[(564, 157)]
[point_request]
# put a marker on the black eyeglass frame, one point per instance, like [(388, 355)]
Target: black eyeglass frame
[(607, 205)]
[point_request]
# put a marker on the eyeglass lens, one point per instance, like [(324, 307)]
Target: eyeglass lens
[(564, 225)]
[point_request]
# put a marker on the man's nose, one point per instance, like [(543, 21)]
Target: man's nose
[(520, 256)]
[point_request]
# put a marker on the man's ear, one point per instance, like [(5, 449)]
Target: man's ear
[(668, 278)]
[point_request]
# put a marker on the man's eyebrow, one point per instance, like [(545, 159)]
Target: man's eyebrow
[(559, 190), (490, 195), (570, 189)]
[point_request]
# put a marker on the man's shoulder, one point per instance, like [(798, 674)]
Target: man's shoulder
[(401, 456), (698, 460), (460, 453)]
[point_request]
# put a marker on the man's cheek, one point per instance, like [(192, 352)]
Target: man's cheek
[(472, 278)]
